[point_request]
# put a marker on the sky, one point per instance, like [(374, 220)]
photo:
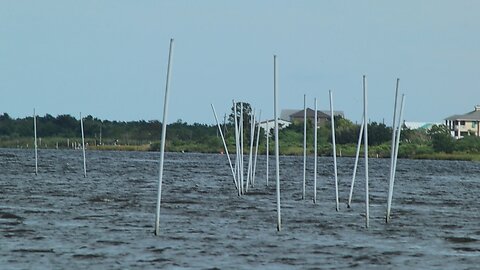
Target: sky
[(108, 58)]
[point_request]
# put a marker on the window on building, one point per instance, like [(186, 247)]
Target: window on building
[(462, 123), (474, 124)]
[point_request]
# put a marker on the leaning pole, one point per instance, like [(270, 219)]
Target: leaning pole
[(83, 147), (164, 133)]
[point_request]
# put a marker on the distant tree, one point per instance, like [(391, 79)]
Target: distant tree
[(247, 113), (442, 141), (378, 133)]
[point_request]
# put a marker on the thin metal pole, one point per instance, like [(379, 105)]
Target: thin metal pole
[(237, 152), (250, 154), (315, 159), (332, 117), (164, 133), (83, 147), (365, 142), (397, 143), (35, 143), (356, 162), (267, 134), (277, 153), (304, 144), (225, 146), (394, 125), (256, 148), (241, 148)]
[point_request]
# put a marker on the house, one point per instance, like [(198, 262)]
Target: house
[(270, 124), (297, 115), (464, 124)]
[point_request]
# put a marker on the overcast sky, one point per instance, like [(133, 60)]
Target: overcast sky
[(109, 58)]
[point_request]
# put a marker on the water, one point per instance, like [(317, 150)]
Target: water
[(61, 220)]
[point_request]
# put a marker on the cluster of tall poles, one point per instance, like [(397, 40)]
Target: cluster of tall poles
[(242, 182), (36, 144)]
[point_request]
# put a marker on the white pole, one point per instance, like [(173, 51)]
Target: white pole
[(35, 143), (315, 134), (356, 162), (83, 147), (237, 152), (332, 117), (397, 143), (164, 133), (365, 142), (250, 154), (394, 125), (225, 146), (277, 154), (256, 148), (241, 147), (304, 143), (267, 134)]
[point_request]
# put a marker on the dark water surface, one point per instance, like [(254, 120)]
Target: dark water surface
[(61, 220)]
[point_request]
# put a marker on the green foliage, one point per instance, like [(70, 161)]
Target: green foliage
[(441, 139)]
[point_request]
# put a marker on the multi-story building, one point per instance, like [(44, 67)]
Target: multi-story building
[(461, 125)]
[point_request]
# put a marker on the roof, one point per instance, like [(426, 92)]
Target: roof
[(473, 115), (311, 114), (420, 125), (287, 113)]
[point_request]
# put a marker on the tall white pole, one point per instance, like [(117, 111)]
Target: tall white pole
[(35, 143), (304, 144), (164, 133), (250, 154), (256, 148), (277, 153), (365, 142), (267, 135), (397, 143), (83, 147), (241, 147), (315, 158), (237, 152), (394, 125), (225, 146), (332, 117), (356, 162)]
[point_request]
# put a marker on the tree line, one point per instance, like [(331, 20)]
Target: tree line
[(184, 137)]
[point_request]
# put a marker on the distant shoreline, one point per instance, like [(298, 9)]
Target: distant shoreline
[(457, 156)]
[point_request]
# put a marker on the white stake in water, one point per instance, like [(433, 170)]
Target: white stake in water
[(164, 133), (304, 143), (332, 117), (83, 147), (35, 143), (365, 142), (250, 154), (225, 146), (397, 143), (241, 148), (237, 152), (394, 125), (315, 134), (256, 148), (277, 150), (267, 134), (356, 162)]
